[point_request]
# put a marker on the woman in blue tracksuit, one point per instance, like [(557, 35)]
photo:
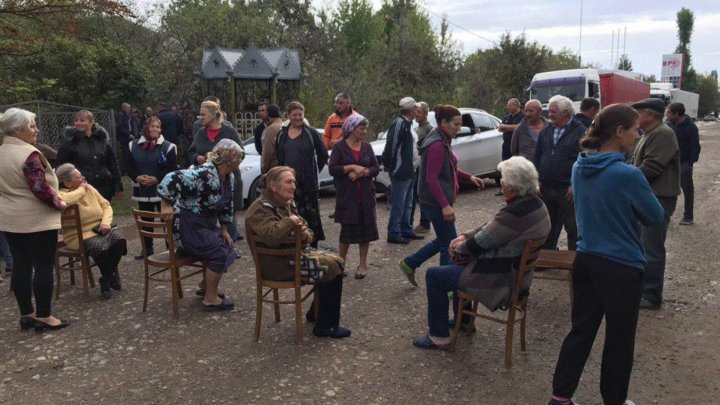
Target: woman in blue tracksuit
[(612, 199)]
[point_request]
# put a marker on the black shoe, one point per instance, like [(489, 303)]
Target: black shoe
[(310, 314), (413, 236), (41, 326), (398, 239), (240, 237), (331, 216), (141, 256), (105, 292), (224, 305), (335, 333), (26, 323), (646, 303), (200, 292), (686, 221)]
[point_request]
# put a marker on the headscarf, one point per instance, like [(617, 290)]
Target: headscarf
[(225, 151), (352, 122)]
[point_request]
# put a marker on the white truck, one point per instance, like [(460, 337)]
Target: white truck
[(668, 94)]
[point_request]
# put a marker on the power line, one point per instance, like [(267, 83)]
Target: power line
[(455, 24)]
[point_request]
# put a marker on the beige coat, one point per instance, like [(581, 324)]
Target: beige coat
[(21, 211)]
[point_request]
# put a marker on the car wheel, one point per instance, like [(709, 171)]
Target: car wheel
[(254, 191)]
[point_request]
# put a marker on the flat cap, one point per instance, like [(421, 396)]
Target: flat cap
[(650, 103)]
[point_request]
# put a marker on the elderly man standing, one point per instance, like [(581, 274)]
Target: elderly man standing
[(525, 136), (688, 139), (398, 162), (422, 131), (556, 152), (334, 123), (126, 131), (589, 108), (657, 155), (260, 129), (508, 126)]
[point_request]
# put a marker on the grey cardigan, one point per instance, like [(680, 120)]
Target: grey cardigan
[(523, 141)]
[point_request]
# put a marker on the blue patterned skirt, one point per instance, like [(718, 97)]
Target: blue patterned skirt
[(201, 237)]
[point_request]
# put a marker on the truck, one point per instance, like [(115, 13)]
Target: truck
[(609, 87), (667, 93)]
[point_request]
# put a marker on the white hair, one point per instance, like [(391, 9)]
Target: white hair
[(564, 103), (14, 120), (64, 172), (520, 175)]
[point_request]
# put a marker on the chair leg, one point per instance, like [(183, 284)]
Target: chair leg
[(91, 278), (276, 298), (57, 281), (175, 294), (72, 272), (258, 312), (522, 325), (456, 331), (179, 287), (147, 286), (85, 276), (298, 315), (509, 337)]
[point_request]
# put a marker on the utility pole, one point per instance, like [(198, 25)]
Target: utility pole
[(612, 49), (580, 45)]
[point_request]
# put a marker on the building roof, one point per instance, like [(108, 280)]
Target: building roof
[(251, 63)]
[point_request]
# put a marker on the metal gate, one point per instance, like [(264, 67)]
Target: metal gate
[(52, 118)]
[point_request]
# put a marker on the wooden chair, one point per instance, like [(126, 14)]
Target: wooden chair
[(168, 260), (558, 260), (518, 307), (296, 284), (70, 218)]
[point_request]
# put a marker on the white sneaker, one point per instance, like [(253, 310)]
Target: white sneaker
[(629, 402)]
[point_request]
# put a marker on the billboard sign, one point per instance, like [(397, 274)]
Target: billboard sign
[(671, 72)]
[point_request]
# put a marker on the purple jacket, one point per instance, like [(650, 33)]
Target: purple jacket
[(346, 191)]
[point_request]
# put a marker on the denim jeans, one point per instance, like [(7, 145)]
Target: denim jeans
[(653, 240), (444, 234), (401, 201), (688, 189), (233, 229), (424, 220), (5, 252), (439, 281)]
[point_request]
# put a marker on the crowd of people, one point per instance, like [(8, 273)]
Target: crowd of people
[(556, 172)]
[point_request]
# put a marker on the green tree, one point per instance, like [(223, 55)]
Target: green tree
[(650, 79), (685, 20), (708, 90), (624, 63)]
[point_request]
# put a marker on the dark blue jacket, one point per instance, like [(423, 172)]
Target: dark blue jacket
[(157, 163), (398, 153), (172, 125), (688, 140), (554, 162)]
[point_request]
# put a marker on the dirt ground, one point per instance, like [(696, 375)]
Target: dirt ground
[(114, 353)]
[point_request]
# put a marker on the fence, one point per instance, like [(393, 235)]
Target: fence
[(246, 121), (52, 118)]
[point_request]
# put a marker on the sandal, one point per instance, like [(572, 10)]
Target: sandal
[(200, 292), (426, 343), (360, 275), (224, 305)]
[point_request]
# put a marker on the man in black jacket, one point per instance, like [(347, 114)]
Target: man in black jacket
[(260, 129), (126, 131), (557, 149), (689, 142), (589, 108)]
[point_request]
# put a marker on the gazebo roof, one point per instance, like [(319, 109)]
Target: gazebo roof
[(251, 63)]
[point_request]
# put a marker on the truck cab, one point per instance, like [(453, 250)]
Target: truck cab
[(575, 84)]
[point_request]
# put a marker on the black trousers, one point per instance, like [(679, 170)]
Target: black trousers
[(562, 213), (34, 255), (152, 207), (329, 299), (108, 262), (601, 288), (688, 189), (507, 139)]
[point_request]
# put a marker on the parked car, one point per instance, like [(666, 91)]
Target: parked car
[(478, 145)]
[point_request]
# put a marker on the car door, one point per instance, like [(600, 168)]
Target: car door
[(488, 144), (465, 145)]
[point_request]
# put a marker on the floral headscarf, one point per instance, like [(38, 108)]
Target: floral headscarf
[(352, 122), (226, 151)]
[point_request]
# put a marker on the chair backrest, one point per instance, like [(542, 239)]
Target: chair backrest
[(529, 257), (69, 219), (294, 253), (157, 230)]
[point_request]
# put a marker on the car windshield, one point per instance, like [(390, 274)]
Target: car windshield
[(570, 87)]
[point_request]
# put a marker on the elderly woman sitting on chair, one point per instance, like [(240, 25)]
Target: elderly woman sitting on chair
[(273, 218), (103, 243), (486, 256)]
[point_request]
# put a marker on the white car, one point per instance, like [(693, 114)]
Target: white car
[(478, 145)]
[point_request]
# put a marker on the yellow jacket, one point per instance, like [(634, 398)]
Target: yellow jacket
[(94, 211)]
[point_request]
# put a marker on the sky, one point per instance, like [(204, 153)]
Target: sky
[(650, 25)]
